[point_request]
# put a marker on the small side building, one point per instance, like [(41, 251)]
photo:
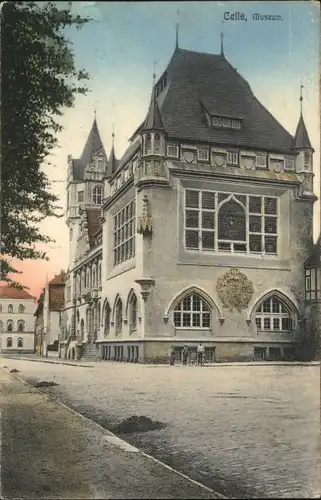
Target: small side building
[(16, 320), (312, 269), (48, 314)]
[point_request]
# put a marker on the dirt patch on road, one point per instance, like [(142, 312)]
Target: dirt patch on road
[(137, 424)]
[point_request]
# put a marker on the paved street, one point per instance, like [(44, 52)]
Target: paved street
[(244, 431)]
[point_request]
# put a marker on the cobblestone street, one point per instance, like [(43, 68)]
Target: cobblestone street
[(244, 431)]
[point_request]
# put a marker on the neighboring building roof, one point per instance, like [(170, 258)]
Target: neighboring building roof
[(93, 223), (314, 260), (199, 80), (12, 292), (301, 138), (153, 119), (59, 279)]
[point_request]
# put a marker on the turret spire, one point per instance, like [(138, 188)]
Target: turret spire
[(112, 157), (93, 144), (153, 120), (301, 98), (301, 138)]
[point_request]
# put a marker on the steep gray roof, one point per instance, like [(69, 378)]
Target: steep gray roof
[(93, 146), (301, 138), (198, 81), (153, 119)]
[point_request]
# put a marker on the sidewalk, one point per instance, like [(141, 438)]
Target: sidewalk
[(86, 364), (50, 451)]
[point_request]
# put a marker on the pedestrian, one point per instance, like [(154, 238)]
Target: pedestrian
[(200, 354), (185, 354), (172, 358), (192, 358)]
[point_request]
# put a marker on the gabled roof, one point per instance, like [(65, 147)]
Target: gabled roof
[(93, 223), (197, 80), (12, 292), (93, 145), (153, 119), (301, 138)]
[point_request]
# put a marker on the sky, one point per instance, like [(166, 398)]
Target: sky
[(119, 49)]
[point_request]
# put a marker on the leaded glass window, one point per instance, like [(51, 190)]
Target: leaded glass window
[(192, 312), (221, 222), (273, 315), (124, 234)]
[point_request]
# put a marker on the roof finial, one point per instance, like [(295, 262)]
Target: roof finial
[(113, 135), (177, 30), (95, 113), (222, 40), (301, 98), (154, 73)]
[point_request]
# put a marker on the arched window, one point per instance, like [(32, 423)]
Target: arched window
[(82, 329), (21, 309), (107, 319), (148, 144), (21, 325), (192, 312), (0, 308), (156, 143), (133, 312), (78, 284), (1, 326), (119, 316), (77, 316), (10, 325), (273, 315), (83, 280), (9, 342), (10, 309), (97, 195), (232, 222), (20, 342)]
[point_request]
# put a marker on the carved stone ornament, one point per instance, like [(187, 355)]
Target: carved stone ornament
[(219, 160), (248, 163), (235, 290), (145, 221), (189, 156)]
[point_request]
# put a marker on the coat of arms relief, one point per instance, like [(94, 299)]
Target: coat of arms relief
[(235, 290)]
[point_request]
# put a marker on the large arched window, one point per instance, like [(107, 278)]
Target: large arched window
[(107, 318), (21, 309), (9, 325), (132, 310), (274, 315), (9, 342), (10, 309), (119, 316), (94, 282), (97, 195), (21, 325), (192, 312), (20, 342)]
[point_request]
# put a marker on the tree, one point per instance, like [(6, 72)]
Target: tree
[(38, 80)]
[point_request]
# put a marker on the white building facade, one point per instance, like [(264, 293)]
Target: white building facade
[(203, 230), (16, 320)]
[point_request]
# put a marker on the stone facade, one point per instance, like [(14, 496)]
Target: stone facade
[(203, 236)]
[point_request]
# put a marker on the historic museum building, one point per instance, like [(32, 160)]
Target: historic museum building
[(199, 233)]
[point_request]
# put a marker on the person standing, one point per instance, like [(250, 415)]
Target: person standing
[(200, 354), (172, 358), (185, 354)]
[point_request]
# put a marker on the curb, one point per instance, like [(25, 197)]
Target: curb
[(120, 443), (48, 361)]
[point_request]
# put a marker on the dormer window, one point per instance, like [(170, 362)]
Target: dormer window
[(289, 164), (225, 122), (148, 144), (172, 151), (261, 161), (203, 154)]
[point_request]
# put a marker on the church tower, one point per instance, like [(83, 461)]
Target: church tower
[(302, 145), (85, 185)]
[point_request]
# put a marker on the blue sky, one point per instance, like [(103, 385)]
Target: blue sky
[(119, 49)]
